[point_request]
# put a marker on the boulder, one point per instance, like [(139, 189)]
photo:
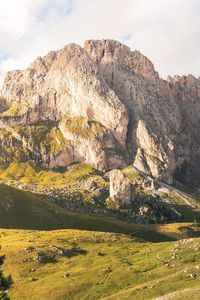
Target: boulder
[(144, 210), (121, 188)]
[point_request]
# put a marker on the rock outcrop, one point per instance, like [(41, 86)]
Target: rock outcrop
[(121, 188), (119, 111)]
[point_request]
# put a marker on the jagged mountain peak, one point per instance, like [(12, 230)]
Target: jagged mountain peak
[(116, 53)]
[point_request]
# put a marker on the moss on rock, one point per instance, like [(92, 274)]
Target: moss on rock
[(81, 126)]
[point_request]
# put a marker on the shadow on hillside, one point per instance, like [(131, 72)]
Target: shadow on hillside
[(75, 221), (190, 213), (142, 234), (28, 211)]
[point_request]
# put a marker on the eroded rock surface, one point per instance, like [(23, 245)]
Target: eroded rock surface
[(121, 188), (139, 118)]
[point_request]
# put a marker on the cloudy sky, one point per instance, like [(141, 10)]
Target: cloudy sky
[(167, 31)]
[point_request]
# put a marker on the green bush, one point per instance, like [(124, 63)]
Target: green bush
[(5, 282)]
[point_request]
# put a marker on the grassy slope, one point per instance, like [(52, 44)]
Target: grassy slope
[(72, 180), (27, 174), (136, 268), (115, 266), (30, 211)]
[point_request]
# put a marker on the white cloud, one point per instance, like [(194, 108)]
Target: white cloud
[(16, 17), (166, 31)]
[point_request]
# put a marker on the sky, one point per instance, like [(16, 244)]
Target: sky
[(166, 31)]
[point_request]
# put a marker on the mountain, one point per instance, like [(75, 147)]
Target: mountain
[(98, 154), (105, 106)]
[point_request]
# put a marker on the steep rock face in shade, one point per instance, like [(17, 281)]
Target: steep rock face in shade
[(110, 108)]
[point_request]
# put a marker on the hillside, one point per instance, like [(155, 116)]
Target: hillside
[(89, 263), (126, 194), (72, 264), (25, 210)]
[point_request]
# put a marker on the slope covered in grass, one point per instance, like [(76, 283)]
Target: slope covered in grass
[(25, 210), (25, 173), (82, 186), (98, 265), (106, 259)]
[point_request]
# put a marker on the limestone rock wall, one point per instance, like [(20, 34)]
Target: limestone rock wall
[(151, 123)]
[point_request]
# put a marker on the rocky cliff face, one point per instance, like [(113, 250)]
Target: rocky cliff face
[(109, 108)]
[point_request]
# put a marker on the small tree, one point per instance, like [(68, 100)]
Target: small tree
[(5, 282)]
